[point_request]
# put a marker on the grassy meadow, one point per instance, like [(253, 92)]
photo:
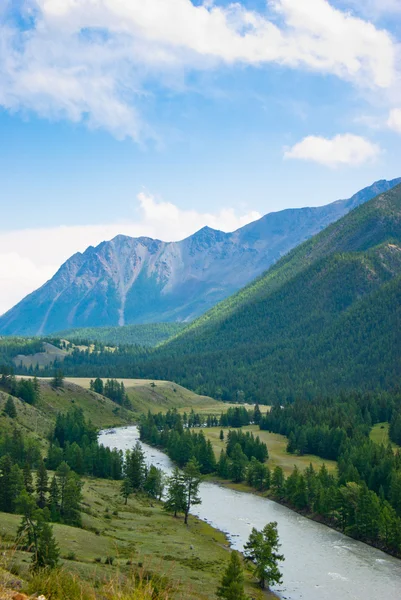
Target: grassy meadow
[(379, 434), (277, 446), (141, 536)]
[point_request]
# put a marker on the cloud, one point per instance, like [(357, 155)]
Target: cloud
[(29, 257), (97, 61), (375, 8), (346, 149), (394, 120)]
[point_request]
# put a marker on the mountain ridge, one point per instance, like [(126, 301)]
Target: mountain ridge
[(135, 280), (317, 322)]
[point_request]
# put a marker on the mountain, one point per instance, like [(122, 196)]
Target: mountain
[(324, 318), (129, 280)]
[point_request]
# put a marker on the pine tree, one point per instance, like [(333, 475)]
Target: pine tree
[(72, 497), (175, 501), (28, 480), (191, 478), (47, 551), (54, 500), (42, 484), (135, 467), (232, 583), (126, 489), (9, 408), (221, 435), (58, 379), (154, 483), (262, 549)]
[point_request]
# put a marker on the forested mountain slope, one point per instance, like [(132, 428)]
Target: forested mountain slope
[(146, 335), (128, 280), (326, 317)]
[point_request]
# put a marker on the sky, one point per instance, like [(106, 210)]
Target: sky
[(156, 118)]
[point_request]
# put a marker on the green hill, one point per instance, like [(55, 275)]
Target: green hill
[(324, 318)]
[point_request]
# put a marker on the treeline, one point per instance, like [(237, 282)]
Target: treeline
[(27, 390), (243, 458), (181, 444), (74, 441), (346, 505), (112, 389), (369, 474), (23, 473), (235, 416)]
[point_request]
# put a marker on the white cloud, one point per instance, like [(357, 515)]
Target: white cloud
[(29, 257), (345, 149), (374, 8), (394, 120), (91, 60)]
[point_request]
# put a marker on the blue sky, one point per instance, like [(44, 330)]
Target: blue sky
[(157, 118)]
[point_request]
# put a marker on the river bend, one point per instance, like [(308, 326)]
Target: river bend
[(320, 563)]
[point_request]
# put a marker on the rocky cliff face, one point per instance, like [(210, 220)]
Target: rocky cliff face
[(138, 280)]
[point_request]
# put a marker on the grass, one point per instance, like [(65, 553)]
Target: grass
[(190, 560), (38, 420), (155, 395), (277, 446), (379, 434)]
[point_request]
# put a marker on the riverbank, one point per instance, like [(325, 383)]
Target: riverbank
[(320, 563)]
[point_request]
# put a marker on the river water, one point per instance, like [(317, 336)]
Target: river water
[(320, 563)]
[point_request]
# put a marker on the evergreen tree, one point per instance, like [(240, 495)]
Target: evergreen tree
[(42, 484), (175, 501), (238, 464), (221, 435), (6, 484), (36, 536), (47, 552), (223, 466), (9, 408), (28, 480), (154, 483), (232, 583), (126, 489), (257, 415), (277, 482), (135, 467), (58, 379), (191, 479), (262, 549), (72, 497), (54, 500)]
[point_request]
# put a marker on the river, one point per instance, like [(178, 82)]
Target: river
[(320, 563)]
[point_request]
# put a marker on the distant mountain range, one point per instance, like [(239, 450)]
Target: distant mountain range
[(325, 318), (142, 280)]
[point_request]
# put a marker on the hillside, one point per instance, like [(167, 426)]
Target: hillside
[(38, 419), (128, 280), (146, 335), (326, 317)]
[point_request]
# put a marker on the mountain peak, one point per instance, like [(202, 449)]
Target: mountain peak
[(142, 280)]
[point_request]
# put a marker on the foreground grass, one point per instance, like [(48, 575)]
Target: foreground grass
[(188, 560), (277, 446)]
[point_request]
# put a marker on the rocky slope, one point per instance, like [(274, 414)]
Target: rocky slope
[(141, 280)]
